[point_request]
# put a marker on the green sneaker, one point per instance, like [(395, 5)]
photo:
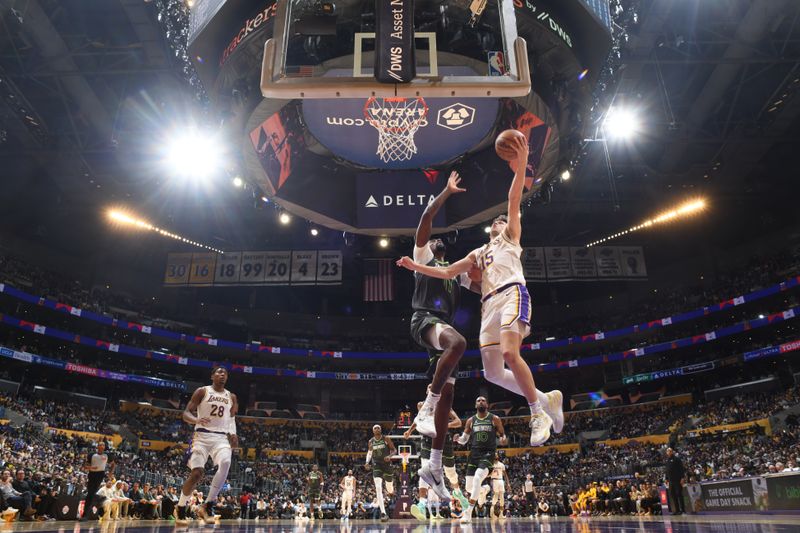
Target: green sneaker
[(418, 511), (461, 498)]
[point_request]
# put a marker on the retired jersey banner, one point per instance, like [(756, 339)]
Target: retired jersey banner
[(608, 262), (254, 268), (632, 260)]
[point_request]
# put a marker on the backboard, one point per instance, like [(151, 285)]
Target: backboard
[(363, 48)]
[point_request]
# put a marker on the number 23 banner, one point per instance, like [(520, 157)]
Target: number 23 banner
[(300, 267)]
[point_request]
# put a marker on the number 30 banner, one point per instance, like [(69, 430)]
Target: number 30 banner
[(311, 267)]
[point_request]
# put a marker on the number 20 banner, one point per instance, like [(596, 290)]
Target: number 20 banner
[(299, 267)]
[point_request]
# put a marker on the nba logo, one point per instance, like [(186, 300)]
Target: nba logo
[(497, 64)]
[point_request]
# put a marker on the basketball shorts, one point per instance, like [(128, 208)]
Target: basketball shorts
[(347, 497), (205, 445), (479, 459), (498, 486), (386, 473), (508, 310), (421, 324), (314, 494)]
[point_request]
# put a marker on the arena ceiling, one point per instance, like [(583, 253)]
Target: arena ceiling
[(83, 84)]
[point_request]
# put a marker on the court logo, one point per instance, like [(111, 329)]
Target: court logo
[(455, 116)]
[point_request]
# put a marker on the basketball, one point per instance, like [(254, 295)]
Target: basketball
[(504, 144)]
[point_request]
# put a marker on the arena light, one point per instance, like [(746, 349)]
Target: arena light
[(314, 232), (384, 242), (124, 218), (194, 155), (684, 210), (487, 229), (566, 175), (620, 123), (237, 182), (284, 218)]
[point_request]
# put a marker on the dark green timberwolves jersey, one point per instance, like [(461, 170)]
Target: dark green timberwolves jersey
[(314, 479), (380, 450), (483, 435), (438, 296)]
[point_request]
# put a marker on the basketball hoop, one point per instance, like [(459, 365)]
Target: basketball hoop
[(397, 119)]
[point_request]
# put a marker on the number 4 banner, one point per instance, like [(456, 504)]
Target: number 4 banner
[(304, 267)]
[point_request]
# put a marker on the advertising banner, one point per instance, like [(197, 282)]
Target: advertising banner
[(784, 492), (739, 495), (396, 199)]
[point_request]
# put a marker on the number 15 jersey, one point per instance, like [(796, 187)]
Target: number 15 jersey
[(216, 406), (500, 264)]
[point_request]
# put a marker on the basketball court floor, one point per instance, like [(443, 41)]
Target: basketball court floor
[(681, 524)]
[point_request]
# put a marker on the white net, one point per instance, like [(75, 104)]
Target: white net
[(397, 120)]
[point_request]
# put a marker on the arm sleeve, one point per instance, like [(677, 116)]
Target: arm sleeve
[(232, 426), (423, 254), (369, 456)]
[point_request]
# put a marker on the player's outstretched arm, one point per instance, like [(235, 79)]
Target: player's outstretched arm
[(449, 272), (189, 414), (464, 437), (514, 228), (425, 226), (455, 422)]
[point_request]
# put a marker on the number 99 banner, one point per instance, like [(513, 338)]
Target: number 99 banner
[(311, 267)]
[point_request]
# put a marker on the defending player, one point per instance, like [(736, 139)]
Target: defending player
[(315, 482), (379, 453), (348, 486), (484, 429), (448, 459), (499, 483), (435, 302), (506, 310), (212, 410)]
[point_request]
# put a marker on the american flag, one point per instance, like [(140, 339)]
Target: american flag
[(378, 280)]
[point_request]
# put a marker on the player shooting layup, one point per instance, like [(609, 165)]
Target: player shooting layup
[(506, 311)]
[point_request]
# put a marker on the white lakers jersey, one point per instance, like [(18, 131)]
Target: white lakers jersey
[(349, 483), (216, 406), (497, 470), (500, 264)]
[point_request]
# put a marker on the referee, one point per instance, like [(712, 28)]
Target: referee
[(530, 495), (96, 468)]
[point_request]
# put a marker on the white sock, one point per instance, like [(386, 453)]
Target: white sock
[(436, 460), (494, 370), (536, 407), (183, 500)]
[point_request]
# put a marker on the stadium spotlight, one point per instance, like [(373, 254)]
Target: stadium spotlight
[(237, 182), (682, 211), (566, 175), (487, 229), (384, 242), (122, 218), (314, 232), (285, 218), (194, 155), (620, 123)]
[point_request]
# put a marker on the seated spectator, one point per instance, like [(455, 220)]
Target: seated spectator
[(13, 498)]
